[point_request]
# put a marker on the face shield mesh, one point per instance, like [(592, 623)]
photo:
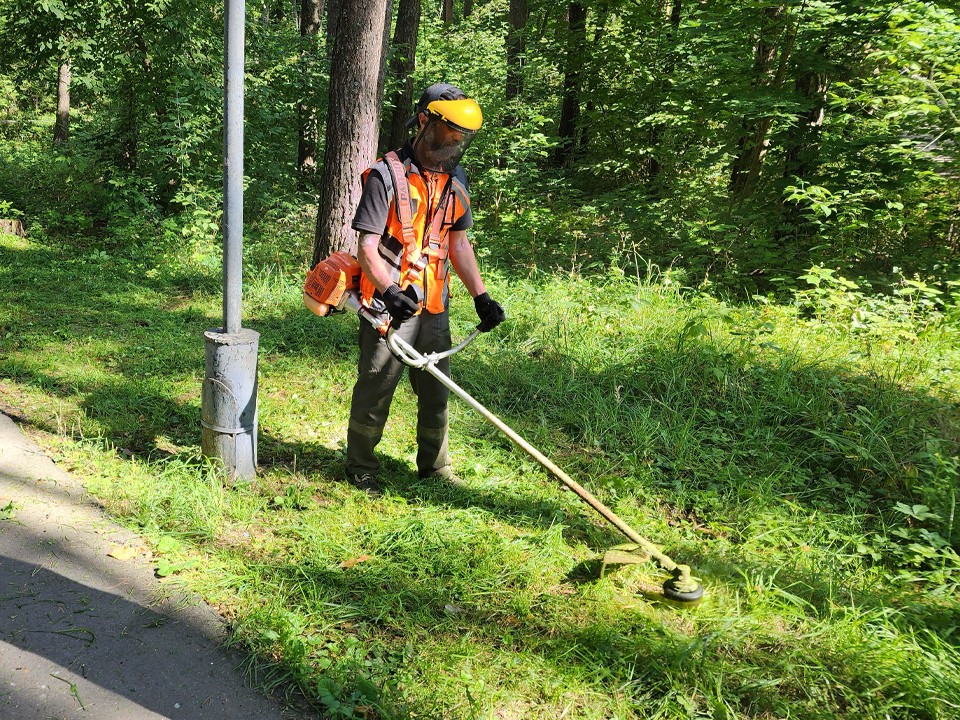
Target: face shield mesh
[(439, 146)]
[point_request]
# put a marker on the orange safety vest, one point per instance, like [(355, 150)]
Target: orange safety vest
[(415, 245)]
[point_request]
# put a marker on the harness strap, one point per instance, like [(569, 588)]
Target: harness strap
[(401, 189), (417, 258), (440, 215)]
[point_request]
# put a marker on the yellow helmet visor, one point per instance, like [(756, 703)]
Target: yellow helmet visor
[(462, 114)]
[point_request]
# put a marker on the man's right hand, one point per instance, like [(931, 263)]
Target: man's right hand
[(400, 304)]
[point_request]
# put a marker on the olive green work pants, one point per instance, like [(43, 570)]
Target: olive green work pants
[(378, 374)]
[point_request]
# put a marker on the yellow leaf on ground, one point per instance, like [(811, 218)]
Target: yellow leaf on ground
[(123, 552), (353, 561)]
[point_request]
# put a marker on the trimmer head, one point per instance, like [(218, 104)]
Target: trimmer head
[(681, 588)]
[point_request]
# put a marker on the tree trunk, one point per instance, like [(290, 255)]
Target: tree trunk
[(333, 15), (311, 20), (61, 129), (803, 151), (803, 143), (593, 79), (516, 48), (384, 50), (447, 12), (12, 227), (352, 120), (154, 84), (467, 8), (570, 106), (753, 139), (128, 131), (672, 13), (402, 66)]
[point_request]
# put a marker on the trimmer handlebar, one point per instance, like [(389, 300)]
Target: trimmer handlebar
[(400, 347)]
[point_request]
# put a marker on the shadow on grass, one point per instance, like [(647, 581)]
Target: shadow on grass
[(641, 652), (685, 419), (837, 427)]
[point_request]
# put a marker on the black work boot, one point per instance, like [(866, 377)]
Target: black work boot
[(367, 482)]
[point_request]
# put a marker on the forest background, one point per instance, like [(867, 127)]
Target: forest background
[(727, 234)]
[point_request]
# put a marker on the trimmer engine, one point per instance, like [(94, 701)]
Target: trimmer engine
[(330, 283)]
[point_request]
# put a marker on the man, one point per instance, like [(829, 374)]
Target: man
[(412, 218)]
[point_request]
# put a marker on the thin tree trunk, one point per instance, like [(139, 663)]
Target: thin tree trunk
[(157, 97), (803, 150), (129, 132), (516, 50), (447, 12), (352, 120), (584, 134), (61, 129), (753, 140), (570, 106), (311, 20), (467, 8), (803, 143), (402, 65), (333, 16), (384, 49), (673, 13)]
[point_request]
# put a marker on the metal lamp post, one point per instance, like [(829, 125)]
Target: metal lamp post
[(229, 397)]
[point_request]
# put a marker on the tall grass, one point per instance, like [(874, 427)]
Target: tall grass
[(802, 455)]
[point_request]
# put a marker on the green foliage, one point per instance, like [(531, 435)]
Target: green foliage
[(8, 96), (910, 308), (665, 103)]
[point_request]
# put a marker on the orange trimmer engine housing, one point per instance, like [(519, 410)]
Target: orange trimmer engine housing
[(329, 283)]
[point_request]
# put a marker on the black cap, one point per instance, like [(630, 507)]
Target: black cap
[(437, 91)]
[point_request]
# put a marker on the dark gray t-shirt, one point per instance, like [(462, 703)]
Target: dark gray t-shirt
[(371, 214)]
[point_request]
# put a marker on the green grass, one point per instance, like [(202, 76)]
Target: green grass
[(806, 468)]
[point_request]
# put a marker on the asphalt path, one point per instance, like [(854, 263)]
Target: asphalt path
[(86, 635)]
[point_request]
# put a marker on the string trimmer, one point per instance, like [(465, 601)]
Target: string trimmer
[(332, 285)]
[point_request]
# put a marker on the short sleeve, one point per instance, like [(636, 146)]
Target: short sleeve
[(465, 221), (373, 208)]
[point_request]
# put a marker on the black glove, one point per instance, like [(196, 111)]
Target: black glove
[(490, 312), (401, 304)]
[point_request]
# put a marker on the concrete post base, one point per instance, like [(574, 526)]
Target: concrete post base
[(229, 402)]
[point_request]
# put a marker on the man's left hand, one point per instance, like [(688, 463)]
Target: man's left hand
[(489, 311)]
